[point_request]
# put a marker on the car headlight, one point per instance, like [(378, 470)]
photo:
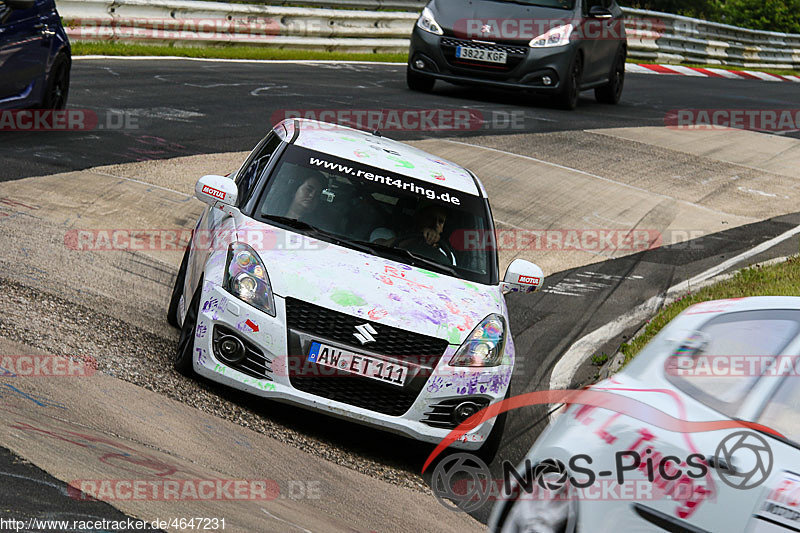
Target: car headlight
[(428, 23), (558, 36), (485, 345), (247, 279)]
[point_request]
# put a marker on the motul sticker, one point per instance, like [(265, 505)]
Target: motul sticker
[(213, 192), (529, 280)]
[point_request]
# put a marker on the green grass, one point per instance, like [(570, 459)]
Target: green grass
[(226, 52), (724, 67), (782, 279)]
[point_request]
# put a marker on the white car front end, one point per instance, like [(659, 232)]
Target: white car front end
[(331, 317), (409, 309), (685, 480)]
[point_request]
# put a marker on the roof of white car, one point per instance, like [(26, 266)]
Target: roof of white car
[(752, 303), (386, 154)]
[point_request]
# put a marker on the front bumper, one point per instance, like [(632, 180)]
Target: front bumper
[(527, 66), (271, 336)]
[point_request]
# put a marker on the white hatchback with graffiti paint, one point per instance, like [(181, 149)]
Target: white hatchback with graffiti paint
[(680, 449), (351, 274)]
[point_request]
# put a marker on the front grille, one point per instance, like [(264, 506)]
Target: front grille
[(255, 363), (441, 414), (340, 327), (515, 55), (307, 322), (360, 392)]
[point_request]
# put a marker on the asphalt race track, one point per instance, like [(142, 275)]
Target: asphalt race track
[(198, 107), (190, 108)]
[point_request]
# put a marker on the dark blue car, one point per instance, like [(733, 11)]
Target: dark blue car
[(35, 55)]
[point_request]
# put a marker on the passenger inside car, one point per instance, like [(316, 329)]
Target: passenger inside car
[(306, 195)]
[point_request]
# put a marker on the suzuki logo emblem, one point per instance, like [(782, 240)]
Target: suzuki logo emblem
[(365, 333)]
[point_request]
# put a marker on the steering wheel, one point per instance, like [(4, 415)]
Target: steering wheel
[(439, 252)]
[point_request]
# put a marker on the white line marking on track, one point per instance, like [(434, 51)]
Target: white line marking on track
[(213, 60), (149, 185), (589, 174), (756, 191), (285, 521), (256, 92), (573, 358), (734, 163)]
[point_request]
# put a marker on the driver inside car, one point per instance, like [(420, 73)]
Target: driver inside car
[(426, 238)]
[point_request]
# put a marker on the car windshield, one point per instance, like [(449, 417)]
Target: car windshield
[(719, 364), (783, 411), (384, 213)]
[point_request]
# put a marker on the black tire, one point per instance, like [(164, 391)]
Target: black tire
[(418, 82), (488, 450), (177, 290), (183, 354), (568, 98), (57, 89), (612, 91)]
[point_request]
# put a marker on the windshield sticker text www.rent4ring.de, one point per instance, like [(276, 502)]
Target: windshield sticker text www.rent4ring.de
[(398, 182)]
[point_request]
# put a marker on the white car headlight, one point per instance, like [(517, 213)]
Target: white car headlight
[(247, 279), (485, 346), (428, 23), (558, 36)]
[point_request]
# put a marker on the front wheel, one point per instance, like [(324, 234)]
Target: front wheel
[(612, 91), (418, 82), (177, 290), (488, 450), (568, 99), (183, 354), (57, 89)]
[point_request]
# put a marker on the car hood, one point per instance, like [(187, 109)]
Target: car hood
[(454, 17), (378, 289)]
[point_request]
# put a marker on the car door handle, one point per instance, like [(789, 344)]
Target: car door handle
[(720, 464)]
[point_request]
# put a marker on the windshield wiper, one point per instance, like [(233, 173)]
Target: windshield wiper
[(364, 246), (411, 255), (314, 231)]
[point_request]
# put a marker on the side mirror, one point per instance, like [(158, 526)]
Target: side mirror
[(20, 4), (600, 12), (522, 276), (217, 191)]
